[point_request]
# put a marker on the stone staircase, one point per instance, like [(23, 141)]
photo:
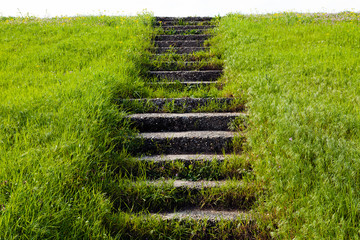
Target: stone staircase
[(180, 136)]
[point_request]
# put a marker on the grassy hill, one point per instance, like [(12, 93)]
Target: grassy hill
[(63, 140)]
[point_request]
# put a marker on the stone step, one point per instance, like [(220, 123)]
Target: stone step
[(189, 37), (189, 223), (182, 19), (170, 195), (157, 122), (185, 31), (185, 66), (179, 43), (190, 85), (186, 27), (182, 105), (190, 142), (184, 157), (192, 167), (207, 75), (206, 214), (181, 50)]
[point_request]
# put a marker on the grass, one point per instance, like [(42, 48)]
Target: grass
[(300, 76), (58, 123)]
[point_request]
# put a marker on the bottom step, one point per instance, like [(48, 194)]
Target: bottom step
[(189, 224), (208, 215)]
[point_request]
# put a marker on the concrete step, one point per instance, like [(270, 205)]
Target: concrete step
[(185, 31), (180, 43), (181, 105), (189, 37), (190, 142), (182, 85), (172, 195), (183, 19), (185, 66), (186, 27), (189, 223), (181, 50), (184, 158), (206, 214), (207, 75), (164, 122)]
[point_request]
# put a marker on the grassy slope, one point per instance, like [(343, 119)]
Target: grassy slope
[(58, 125), (300, 74)]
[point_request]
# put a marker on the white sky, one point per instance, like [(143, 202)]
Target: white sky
[(179, 8)]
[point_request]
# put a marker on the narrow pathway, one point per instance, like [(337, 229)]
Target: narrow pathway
[(180, 132)]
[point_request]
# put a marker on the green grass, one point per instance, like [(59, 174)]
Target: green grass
[(58, 123), (300, 76)]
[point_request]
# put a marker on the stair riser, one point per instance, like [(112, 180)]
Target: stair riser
[(190, 31), (181, 50), (186, 75), (184, 19), (187, 27), (187, 145), (193, 43), (197, 37), (177, 124)]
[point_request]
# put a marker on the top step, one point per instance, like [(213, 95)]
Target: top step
[(163, 21)]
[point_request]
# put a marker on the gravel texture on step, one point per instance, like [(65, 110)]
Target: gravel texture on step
[(185, 43), (180, 50), (191, 142), (188, 37), (210, 215), (183, 157), (186, 27), (192, 83), (156, 122), (189, 184), (201, 75), (185, 19), (186, 31), (181, 104), (185, 66)]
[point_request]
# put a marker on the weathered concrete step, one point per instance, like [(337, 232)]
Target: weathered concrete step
[(190, 223), (193, 84), (189, 37), (187, 27), (191, 142), (186, 66), (206, 214), (189, 184), (157, 122), (182, 105), (181, 50), (185, 31), (182, 19), (207, 75), (184, 43), (184, 157), (170, 195)]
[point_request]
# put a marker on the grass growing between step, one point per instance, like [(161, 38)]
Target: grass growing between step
[(58, 125), (300, 75)]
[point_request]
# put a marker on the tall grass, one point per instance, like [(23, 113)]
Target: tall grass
[(60, 132), (300, 75)]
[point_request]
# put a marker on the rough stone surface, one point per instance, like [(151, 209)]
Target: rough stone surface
[(185, 19), (185, 66), (187, 142), (188, 37), (186, 84), (181, 50), (206, 75), (184, 157), (190, 43), (156, 122), (186, 27), (181, 104), (201, 214), (189, 184)]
